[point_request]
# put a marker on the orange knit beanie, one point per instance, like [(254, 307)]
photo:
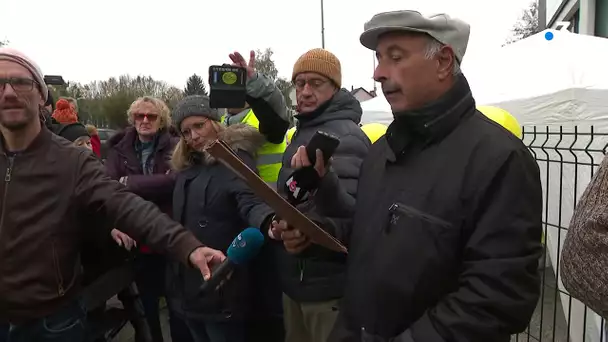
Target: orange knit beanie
[(65, 113), (319, 61)]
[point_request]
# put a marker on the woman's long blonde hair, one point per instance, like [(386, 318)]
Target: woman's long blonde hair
[(181, 158)]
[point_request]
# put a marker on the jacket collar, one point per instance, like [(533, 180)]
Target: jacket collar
[(40, 141), (431, 123), (342, 106)]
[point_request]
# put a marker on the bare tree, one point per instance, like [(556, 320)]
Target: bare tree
[(265, 64), (172, 96), (105, 103), (527, 24)]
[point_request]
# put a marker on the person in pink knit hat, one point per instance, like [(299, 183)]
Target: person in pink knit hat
[(50, 188)]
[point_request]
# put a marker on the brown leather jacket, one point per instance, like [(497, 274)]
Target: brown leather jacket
[(49, 194)]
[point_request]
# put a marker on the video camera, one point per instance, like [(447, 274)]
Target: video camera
[(227, 85)]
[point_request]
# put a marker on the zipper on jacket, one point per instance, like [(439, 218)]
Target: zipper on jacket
[(301, 266), (397, 208), (7, 180), (9, 169), (58, 276)]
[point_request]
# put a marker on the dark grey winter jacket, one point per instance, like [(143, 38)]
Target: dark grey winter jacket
[(215, 205), (319, 274)]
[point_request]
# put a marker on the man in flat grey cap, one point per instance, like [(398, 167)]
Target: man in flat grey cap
[(447, 230)]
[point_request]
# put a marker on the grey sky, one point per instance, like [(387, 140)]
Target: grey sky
[(85, 40)]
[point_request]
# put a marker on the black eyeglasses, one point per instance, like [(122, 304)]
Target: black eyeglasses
[(20, 85), (314, 83)]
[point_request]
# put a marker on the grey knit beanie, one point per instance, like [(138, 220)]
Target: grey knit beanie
[(193, 105)]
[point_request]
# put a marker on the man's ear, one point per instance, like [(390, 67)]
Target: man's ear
[(43, 113), (445, 62), (41, 100)]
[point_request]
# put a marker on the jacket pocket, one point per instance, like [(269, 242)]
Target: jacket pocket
[(417, 248), (398, 210)]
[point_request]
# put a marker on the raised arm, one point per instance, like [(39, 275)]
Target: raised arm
[(265, 99), (268, 104)]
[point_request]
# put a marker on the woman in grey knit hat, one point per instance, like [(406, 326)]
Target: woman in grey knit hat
[(216, 205)]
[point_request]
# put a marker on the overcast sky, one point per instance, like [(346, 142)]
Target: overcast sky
[(86, 40)]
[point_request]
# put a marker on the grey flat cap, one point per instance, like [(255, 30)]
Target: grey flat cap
[(448, 31), (193, 105)]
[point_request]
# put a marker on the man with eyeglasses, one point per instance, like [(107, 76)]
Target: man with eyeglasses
[(50, 190), (313, 278)]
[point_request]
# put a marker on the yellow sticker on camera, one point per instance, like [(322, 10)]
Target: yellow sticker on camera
[(229, 77)]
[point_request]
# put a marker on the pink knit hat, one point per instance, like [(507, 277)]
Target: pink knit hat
[(8, 54)]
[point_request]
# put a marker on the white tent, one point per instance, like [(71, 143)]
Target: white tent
[(562, 81), (377, 110)]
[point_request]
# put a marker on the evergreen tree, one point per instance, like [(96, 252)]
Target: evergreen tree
[(195, 86)]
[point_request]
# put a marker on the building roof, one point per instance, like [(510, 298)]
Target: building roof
[(361, 89)]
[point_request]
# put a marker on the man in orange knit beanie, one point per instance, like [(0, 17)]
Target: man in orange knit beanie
[(313, 277)]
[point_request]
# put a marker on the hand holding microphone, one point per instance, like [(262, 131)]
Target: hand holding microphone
[(243, 249), (205, 258)]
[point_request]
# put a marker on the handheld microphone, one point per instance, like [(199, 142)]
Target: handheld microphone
[(300, 184), (243, 248)]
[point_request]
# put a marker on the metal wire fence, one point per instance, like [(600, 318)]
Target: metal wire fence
[(567, 157)]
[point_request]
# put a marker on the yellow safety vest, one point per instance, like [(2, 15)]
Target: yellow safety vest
[(290, 133), (270, 156)]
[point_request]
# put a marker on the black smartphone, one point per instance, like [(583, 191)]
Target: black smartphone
[(227, 86), (323, 141)]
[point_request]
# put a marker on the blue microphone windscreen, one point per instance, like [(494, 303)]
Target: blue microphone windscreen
[(245, 246)]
